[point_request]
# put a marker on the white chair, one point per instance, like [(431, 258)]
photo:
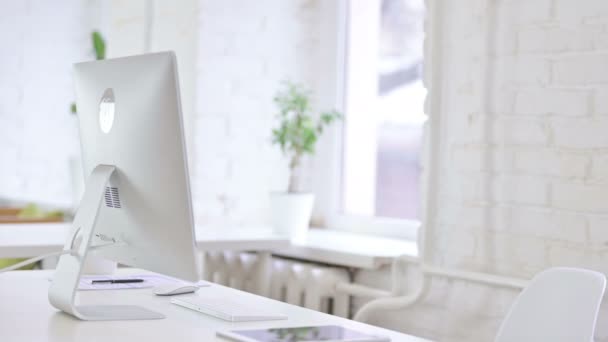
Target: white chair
[(559, 305)]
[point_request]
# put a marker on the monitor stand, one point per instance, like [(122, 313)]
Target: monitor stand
[(62, 293)]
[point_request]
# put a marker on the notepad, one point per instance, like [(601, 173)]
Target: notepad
[(150, 280)]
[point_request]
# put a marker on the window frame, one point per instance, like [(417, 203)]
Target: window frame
[(328, 162)]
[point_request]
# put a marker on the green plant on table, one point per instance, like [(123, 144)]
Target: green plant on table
[(299, 129), (32, 211)]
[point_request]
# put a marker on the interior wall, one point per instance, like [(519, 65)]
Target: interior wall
[(141, 26), (227, 90), (39, 148), (38, 134), (246, 49), (522, 177)]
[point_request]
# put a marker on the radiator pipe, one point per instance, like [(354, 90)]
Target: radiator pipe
[(362, 291), (392, 303), (477, 277)]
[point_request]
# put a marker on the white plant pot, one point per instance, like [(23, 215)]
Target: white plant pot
[(291, 213)]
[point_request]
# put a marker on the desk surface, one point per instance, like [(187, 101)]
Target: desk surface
[(26, 315)]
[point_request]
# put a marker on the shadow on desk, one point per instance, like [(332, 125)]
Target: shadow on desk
[(61, 328)]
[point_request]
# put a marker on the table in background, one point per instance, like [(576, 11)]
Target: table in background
[(29, 240), (340, 248)]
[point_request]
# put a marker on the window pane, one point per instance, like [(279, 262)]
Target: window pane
[(400, 109), (391, 116)]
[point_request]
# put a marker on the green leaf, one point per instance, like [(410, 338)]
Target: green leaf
[(99, 45), (73, 108), (298, 130), (32, 211), (309, 137)]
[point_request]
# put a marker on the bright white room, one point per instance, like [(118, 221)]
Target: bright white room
[(304, 170)]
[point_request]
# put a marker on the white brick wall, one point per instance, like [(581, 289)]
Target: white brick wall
[(245, 50), (40, 40), (38, 135), (581, 133), (523, 177), (562, 102)]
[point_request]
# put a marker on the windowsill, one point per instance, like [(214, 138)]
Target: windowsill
[(395, 229), (348, 249)]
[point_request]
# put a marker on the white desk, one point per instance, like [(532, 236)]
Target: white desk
[(27, 240), (26, 315)]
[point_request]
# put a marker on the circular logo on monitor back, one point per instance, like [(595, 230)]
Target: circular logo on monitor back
[(106, 110)]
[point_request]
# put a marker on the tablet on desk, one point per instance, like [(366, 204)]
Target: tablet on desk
[(326, 333)]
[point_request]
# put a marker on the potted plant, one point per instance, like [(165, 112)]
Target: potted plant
[(297, 134)]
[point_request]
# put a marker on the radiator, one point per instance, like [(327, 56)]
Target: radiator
[(295, 282)]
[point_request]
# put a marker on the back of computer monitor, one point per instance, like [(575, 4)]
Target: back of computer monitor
[(130, 117)]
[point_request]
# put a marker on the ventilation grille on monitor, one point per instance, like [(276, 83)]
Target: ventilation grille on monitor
[(112, 198)]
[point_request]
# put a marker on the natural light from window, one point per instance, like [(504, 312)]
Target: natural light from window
[(384, 100)]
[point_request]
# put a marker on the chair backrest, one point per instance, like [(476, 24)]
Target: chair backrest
[(559, 305)]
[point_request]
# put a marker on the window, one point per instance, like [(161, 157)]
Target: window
[(383, 99)]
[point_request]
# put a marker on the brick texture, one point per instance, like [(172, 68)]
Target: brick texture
[(243, 57), (38, 135), (533, 191)]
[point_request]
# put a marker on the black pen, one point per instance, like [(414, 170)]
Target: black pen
[(117, 281)]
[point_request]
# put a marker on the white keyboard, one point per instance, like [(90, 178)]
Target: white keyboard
[(227, 309)]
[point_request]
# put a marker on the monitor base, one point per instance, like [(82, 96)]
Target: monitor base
[(62, 292), (115, 313)]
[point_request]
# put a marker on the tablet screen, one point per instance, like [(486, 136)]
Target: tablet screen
[(302, 334)]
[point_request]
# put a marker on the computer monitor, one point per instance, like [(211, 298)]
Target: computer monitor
[(137, 201)]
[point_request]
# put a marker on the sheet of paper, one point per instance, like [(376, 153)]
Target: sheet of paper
[(150, 280)]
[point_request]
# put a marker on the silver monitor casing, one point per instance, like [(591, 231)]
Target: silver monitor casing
[(137, 193)]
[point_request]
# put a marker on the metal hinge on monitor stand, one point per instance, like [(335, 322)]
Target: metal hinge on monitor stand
[(62, 293)]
